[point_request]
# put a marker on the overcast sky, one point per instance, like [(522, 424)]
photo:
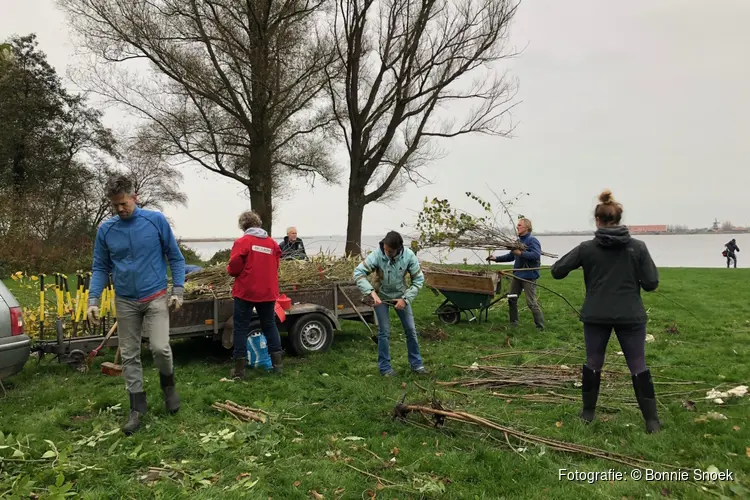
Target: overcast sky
[(647, 98)]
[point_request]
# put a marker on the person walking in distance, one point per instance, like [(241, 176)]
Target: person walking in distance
[(615, 269), (254, 265), (135, 246), (392, 262), (731, 248), (524, 281)]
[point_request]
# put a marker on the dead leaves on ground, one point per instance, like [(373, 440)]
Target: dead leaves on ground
[(689, 405)]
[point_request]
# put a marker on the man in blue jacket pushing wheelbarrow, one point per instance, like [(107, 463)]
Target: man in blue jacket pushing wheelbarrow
[(524, 281)]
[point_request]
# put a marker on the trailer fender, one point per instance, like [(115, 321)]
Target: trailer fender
[(302, 309)]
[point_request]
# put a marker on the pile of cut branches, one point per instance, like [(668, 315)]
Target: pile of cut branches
[(537, 376), (240, 412), (438, 415), (319, 270), (442, 226)]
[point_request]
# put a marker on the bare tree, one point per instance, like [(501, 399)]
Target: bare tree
[(403, 63), (234, 85), (156, 180)]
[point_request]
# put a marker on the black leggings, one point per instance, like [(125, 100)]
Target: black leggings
[(632, 339)]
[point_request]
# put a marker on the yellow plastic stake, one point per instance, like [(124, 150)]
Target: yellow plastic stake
[(79, 298), (105, 302), (41, 297), (67, 295), (112, 298), (87, 284), (59, 293)]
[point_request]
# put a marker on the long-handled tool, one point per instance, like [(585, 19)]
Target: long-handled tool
[(93, 353)]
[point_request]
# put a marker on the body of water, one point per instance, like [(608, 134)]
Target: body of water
[(700, 250)]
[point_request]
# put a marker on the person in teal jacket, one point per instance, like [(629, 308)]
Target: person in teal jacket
[(391, 262)]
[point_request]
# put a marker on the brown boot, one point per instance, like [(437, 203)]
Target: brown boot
[(276, 361), (239, 369)]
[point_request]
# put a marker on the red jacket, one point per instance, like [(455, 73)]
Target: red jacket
[(254, 264)]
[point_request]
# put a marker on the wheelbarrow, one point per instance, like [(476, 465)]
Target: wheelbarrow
[(470, 294)]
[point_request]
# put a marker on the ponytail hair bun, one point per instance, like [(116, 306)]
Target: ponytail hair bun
[(606, 197)]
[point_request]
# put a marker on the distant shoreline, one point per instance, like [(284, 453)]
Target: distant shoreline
[(563, 233), (641, 233)]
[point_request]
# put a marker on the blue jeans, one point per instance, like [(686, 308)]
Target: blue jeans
[(384, 333), (243, 315)]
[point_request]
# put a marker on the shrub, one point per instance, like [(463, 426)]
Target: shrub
[(191, 256), (220, 256)]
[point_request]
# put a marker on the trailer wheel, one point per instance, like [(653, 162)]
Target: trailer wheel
[(76, 359), (449, 314), (311, 333)]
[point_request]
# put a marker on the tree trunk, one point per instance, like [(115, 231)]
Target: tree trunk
[(354, 217), (260, 186)]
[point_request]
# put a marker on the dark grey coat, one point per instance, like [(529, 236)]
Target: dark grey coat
[(615, 269)]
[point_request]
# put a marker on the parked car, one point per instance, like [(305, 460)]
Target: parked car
[(15, 346)]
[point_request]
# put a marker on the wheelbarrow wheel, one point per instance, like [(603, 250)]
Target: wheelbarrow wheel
[(449, 314)]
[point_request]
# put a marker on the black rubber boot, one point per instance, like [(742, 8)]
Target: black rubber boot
[(171, 398), (539, 320), (644, 393), (137, 410), (277, 364), (589, 392), (239, 369), (513, 312)]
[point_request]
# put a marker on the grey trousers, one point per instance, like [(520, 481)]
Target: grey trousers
[(516, 287), (137, 319)]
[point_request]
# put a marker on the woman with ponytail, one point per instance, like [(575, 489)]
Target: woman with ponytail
[(615, 269)]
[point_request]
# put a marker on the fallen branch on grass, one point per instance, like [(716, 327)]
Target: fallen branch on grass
[(440, 414), (540, 352), (242, 413), (553, 397)]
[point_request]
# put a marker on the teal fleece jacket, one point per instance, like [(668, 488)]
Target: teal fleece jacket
[(391, 275)]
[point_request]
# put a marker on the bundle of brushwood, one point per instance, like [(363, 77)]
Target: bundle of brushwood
[(441, 226), (318, 270), (537, 376), (242, 413)]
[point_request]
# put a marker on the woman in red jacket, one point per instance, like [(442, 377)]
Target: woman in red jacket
[(254, 264)]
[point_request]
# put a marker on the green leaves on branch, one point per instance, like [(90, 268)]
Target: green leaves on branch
[(440, 225)]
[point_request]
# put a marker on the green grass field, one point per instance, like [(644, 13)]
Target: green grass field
[(332, 413)]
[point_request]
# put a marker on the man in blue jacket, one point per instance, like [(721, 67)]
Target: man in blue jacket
[(529, 258), (135, 246)]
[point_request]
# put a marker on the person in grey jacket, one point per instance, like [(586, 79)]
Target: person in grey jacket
[(615, 269)]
